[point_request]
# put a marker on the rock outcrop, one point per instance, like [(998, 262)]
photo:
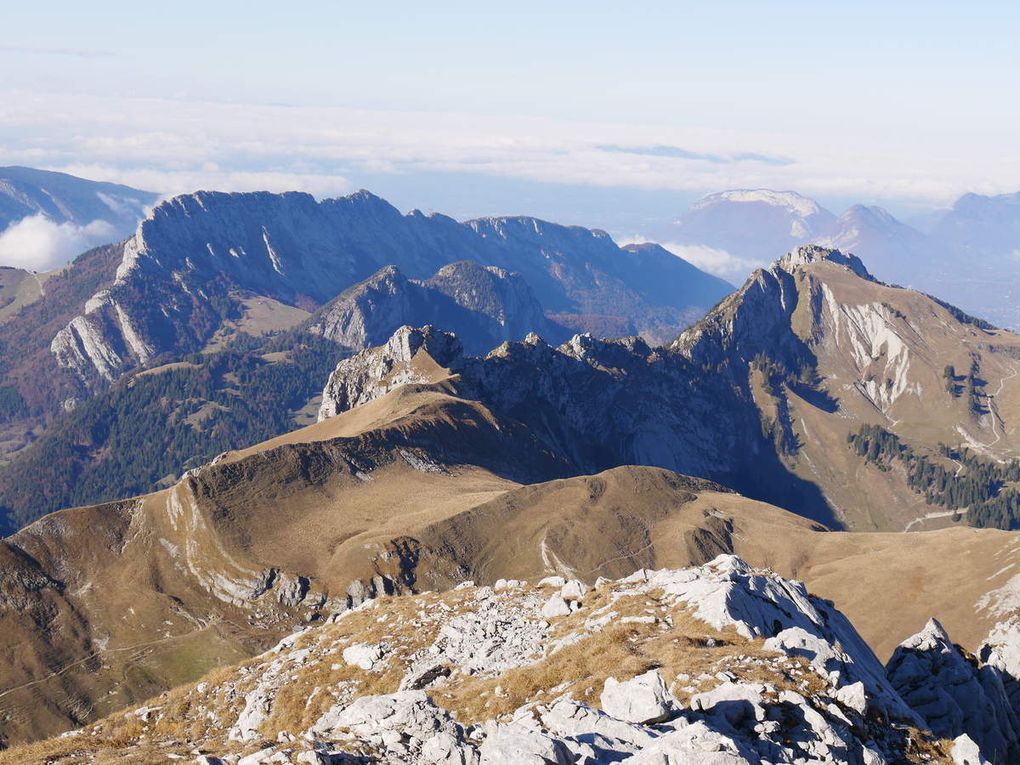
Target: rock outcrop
[(746, 667), (370, 374), (955, 696)]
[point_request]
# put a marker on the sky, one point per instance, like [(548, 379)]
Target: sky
[(604, 114)]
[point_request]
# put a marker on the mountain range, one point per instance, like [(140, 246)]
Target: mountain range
[(811, 374), (220, 301), (271, 414), (419, 489), (966, 254)]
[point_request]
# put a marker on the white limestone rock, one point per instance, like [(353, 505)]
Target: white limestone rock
[(1001, 651), (518, 744), (555, 606), (363, 655), (568, 719), (406, 716), (574, 590), (692, 744), (966, 752), (952, 696), (643, 699)]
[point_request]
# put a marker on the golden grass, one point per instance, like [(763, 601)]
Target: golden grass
[(680, 645), (298, 705), (676, 643)]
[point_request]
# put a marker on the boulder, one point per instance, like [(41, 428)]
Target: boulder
[(518, 744), (693, 744), (966, 752), (643, 699), (552, 581), (574, 590), (568, 718), (853, 696), (362, 655), (445, 749), (738, 703), (407, 716), (555, 606)]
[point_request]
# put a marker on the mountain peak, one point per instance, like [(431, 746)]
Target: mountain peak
[(791, 200), (811, 253), (868, 212)]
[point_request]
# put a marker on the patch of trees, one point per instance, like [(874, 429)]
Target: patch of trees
[(955, 479), (154, 425), (11, 403), (972, 384), (962, 317)]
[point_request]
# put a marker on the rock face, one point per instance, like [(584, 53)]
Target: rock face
[(182, 272), (956, 697), (761, 395), (370, 374), (482, 305), (520, 688), (1001, 650)]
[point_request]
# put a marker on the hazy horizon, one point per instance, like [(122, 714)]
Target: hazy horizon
[(582, 115), (667, 97)]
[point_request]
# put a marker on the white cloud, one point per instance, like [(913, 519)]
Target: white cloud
[(715, 261), (37, 243), (173, 146)]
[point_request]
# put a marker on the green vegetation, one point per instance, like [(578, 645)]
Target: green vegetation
[(962, 317), (955, 480), (972, 384), (11, 403), (156, 424)]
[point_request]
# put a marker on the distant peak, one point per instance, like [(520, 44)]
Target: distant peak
[(791, 200), (364, 195), (812, 253), (859, 211)]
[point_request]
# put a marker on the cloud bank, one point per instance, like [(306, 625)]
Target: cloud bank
[(179, 145), (37, 243)]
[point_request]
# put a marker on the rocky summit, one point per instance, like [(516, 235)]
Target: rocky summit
[(812, 371), (719, 664)]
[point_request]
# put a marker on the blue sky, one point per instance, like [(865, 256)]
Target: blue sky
[(590, 112)]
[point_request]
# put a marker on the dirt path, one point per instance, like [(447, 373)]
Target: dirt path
[(938, 514), (994, 410)]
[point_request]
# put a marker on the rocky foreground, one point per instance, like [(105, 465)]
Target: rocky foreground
[(717, 665)]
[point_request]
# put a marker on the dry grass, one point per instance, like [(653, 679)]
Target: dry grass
[(314, 688), (687, 651), (677, 643), (921, 749)]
